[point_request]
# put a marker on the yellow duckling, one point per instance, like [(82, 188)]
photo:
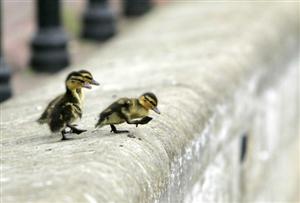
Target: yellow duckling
[(65, 109), (128, 109)]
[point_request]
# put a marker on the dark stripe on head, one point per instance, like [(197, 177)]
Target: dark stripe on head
[(154, 104), (151, 98), (88, 77), (86, 74), (77, 79), (72, 74)]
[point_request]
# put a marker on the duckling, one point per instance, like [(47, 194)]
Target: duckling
[(128, 109), (65, 109)]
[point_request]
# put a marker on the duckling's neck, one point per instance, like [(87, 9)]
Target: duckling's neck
[(140, 105), (137, 110), (76, 94), (80, 94)]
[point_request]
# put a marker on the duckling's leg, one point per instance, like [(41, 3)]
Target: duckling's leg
[(76, 130), (114, 130)]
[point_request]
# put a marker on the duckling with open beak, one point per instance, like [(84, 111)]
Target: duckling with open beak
[(65, 109), (127, 110)]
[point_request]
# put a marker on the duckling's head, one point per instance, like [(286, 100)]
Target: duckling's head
[(88, 77), (149, 101), (80, 79)]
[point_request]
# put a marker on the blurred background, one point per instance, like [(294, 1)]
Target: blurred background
[(22, 26)]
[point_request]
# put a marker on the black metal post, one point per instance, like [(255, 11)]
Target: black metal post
[(49, 45), (137, 7), (98, 21), (5, 73)]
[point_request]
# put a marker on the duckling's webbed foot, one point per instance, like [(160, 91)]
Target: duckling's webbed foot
[(143, 121), (76, 130), (63, 133), (114, 130)]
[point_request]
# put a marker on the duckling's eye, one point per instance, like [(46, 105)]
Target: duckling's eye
[(152, 103)]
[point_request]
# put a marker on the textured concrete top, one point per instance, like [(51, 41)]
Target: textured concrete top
[(191, 55)]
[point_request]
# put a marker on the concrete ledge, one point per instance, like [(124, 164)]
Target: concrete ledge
[(201, 59)]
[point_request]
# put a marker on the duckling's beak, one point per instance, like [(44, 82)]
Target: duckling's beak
[(155, 109), (94, 82), (87, 85)]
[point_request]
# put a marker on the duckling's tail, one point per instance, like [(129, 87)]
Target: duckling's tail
[(41, 120), (100, 123)]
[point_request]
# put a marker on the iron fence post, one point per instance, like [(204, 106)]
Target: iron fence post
[(5, 72), (49, 45), (99, 22), (137, 7)]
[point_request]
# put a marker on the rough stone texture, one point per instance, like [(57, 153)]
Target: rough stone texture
[(212, 67), (272, 166)]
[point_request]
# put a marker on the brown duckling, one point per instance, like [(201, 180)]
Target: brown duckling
[(65, 109), (128, 109)]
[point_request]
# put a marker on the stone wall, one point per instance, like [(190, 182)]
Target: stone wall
[(248, 152), (271, 171), (223, 73)]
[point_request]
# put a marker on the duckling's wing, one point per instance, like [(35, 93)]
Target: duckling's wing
[(115, 107), (63, 114), (49, 109)]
